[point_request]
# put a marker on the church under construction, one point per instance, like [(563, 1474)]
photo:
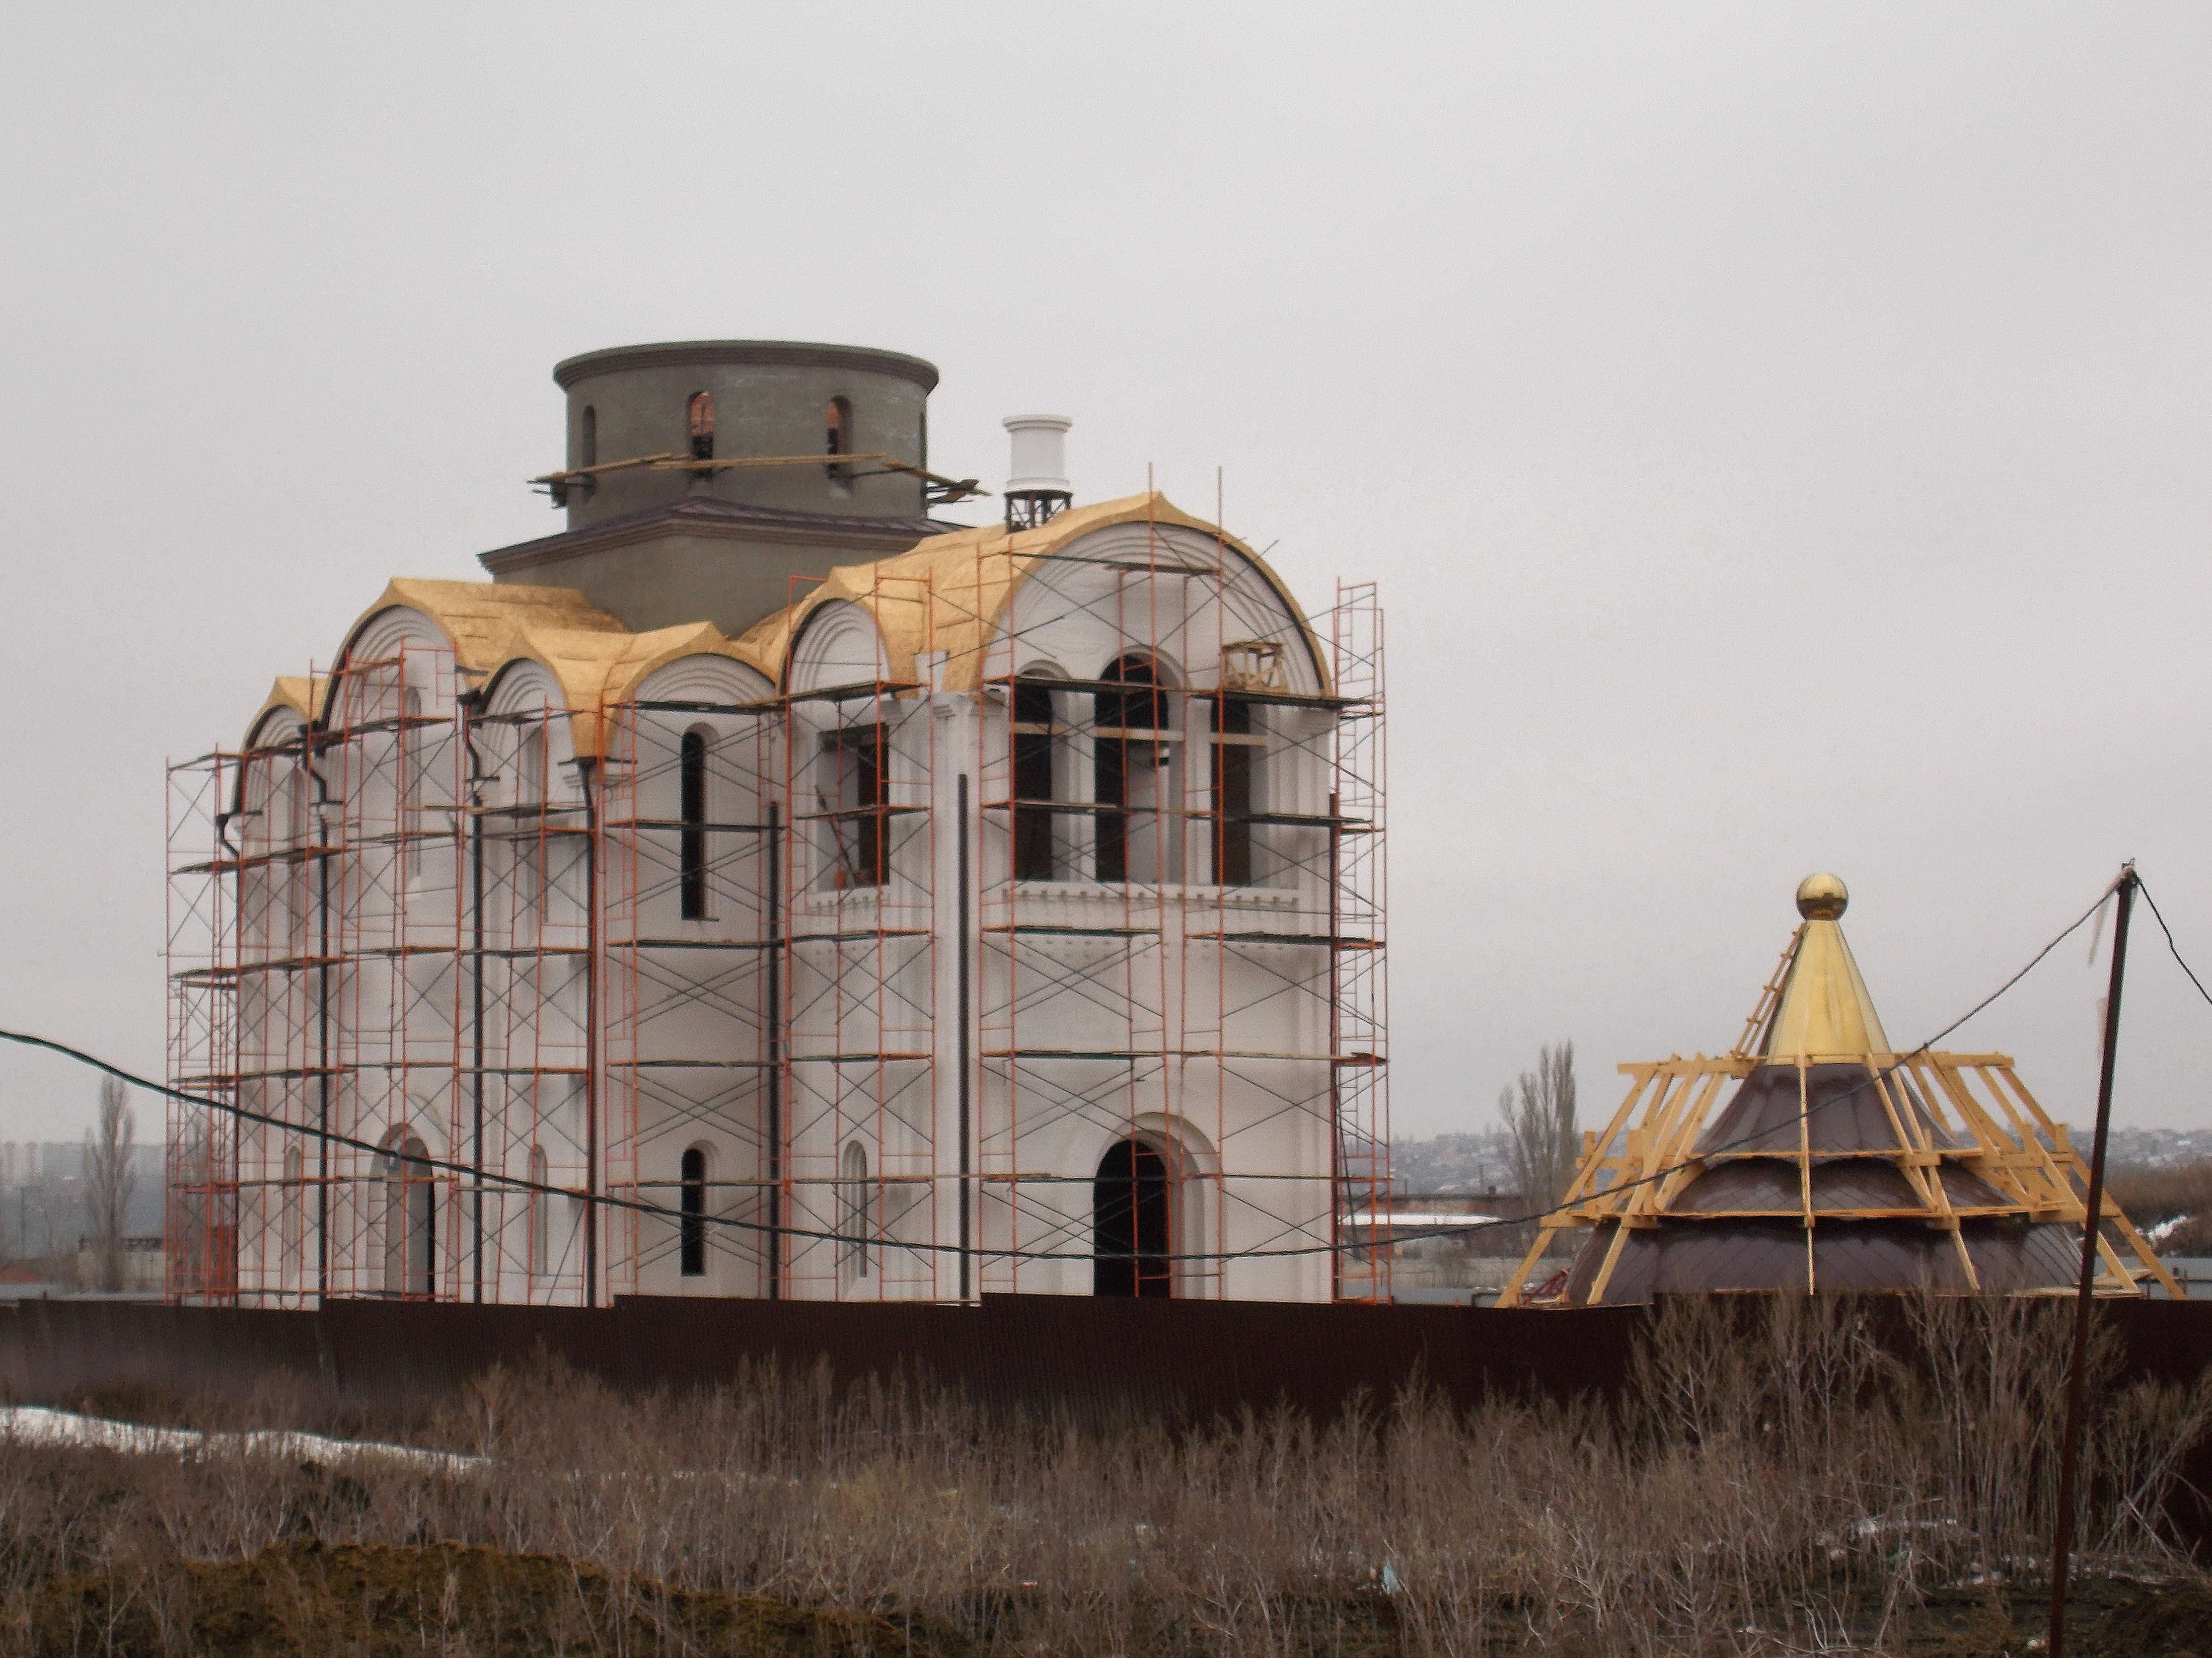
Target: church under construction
[(762, 888)]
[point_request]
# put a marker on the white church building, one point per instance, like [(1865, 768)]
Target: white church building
[(762, 888)]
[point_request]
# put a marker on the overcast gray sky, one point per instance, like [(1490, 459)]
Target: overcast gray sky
[(1780, 432)]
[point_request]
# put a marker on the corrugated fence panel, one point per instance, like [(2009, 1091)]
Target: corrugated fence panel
[(1089, 1359)]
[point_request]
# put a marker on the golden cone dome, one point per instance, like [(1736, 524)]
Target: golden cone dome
[(1825, 1012)]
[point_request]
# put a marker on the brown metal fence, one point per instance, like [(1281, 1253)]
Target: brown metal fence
[(1084, 1356)]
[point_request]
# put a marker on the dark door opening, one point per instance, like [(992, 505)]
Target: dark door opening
[(410, 1259), (1129, 1223)]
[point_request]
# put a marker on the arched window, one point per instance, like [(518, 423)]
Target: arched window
[(691, 850), (298, 800), (409, 1219), (856, 1218), (587, 437), (295, 1233), (693, 1226), (837, 436), (1036, 754), (413, 768), (1129, 1229), (531, 849), (540, 1215), (299, 873), (1133, 755), (699, 416)]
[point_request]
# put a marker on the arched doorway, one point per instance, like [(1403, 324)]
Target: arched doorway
[(410, 1207), (1129, 1223)]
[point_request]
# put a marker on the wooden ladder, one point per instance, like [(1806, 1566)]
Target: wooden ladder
[(1768, 997)]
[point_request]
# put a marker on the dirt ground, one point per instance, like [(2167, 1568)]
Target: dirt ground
[(2106, 1617), (305, 1599)]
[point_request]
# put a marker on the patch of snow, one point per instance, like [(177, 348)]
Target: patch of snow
[(34, 1424)]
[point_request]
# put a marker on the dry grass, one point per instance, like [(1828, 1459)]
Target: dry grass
[(1783, 1482)]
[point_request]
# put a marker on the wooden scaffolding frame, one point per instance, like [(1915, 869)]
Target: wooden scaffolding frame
[(1631, 1173)]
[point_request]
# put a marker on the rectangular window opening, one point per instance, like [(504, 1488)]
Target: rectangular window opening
[(1237, 751), (853, 807)]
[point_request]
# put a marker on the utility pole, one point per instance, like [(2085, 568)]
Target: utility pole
[(2069, 1452)]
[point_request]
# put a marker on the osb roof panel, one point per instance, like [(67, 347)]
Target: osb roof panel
[(302, 694), (596, 660), (597, 670), (950, 592)]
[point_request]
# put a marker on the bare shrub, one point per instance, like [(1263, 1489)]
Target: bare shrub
[(1784, 1475)]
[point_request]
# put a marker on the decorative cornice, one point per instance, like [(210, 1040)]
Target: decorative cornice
[(719, 521), (780, 354)]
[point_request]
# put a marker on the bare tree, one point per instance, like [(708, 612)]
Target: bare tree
[(1539, 1127), (110, 1179)]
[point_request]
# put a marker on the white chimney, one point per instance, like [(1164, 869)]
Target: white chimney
[(1037, 486)]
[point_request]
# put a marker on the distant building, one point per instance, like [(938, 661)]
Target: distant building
[(145, 1265)]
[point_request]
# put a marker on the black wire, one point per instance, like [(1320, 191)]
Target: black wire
[(2170, 944), (2025, 971), (511, 1183)]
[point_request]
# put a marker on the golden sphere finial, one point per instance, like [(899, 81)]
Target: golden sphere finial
[(1821, 898)]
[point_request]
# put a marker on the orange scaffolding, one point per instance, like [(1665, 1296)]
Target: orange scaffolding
[(687, 852), (443, 983), (328, 947), (857, 1118), (526, 1075), (1181, 908)]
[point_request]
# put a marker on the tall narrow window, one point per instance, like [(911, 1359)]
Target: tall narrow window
[(587, 437), (540, 1215), (1129, 1203), (297, 802), (413, 768), (837, 437), (1035, 752), (1134, 758), (693, 1225), (691, 852), (855, 1222), (856, 810), (531, 848), (1237, 752), (300, 871), (699, 415), (295, 1219)]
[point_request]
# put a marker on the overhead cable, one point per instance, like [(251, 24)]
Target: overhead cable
[(509, 1183)]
